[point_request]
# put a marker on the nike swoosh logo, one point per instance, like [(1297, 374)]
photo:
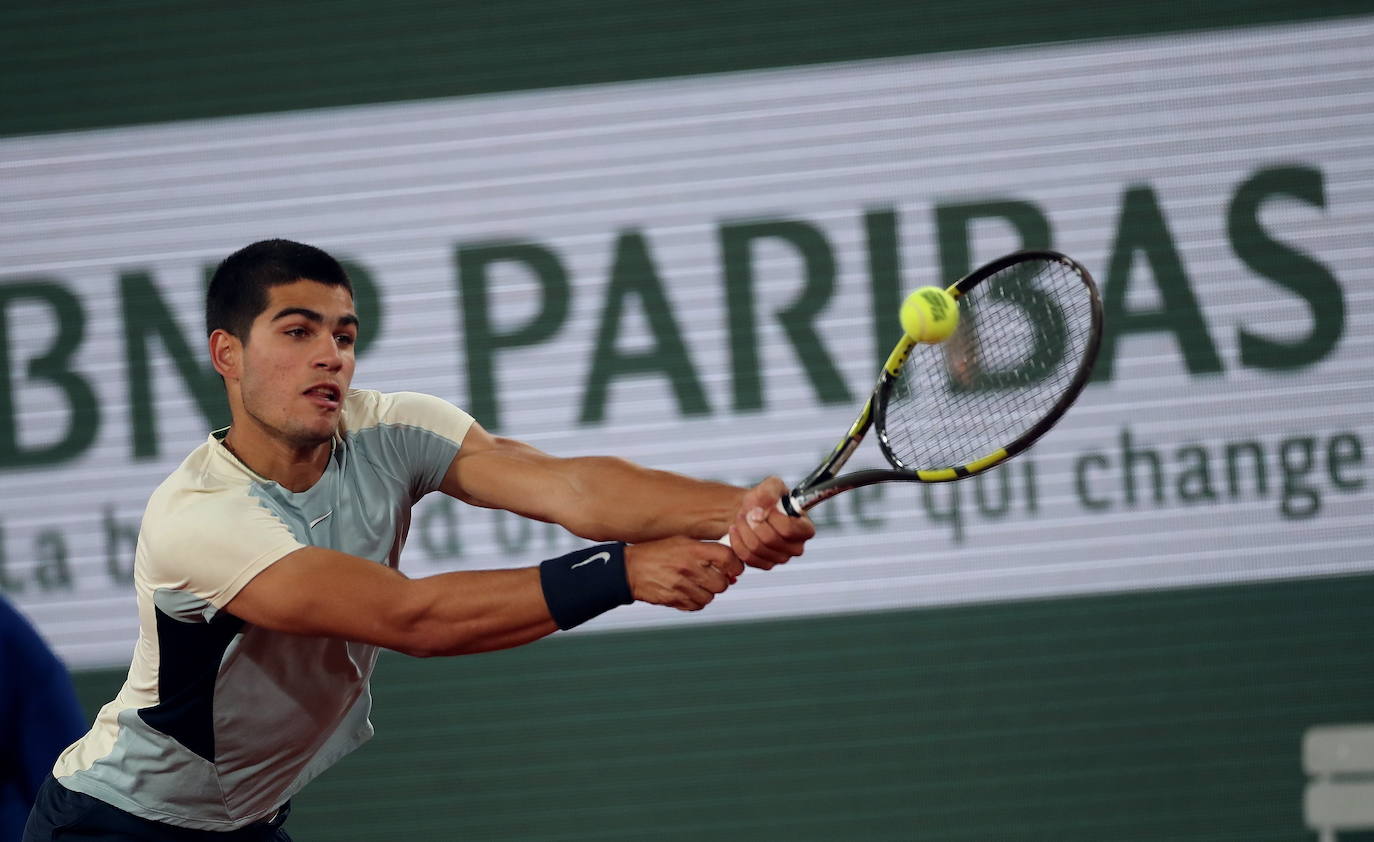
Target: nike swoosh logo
[(602, 556), (317, 520)]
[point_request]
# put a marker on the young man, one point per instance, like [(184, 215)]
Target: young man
[(266, 566)]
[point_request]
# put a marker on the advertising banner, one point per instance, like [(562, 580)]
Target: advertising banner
[(702, 275)]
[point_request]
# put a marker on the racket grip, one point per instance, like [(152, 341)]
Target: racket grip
[(782, 507)]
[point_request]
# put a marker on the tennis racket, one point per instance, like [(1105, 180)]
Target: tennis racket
[(1030, 325)]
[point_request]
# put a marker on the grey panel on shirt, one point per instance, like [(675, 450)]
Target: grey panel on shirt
[(344, 510), (184, 606)]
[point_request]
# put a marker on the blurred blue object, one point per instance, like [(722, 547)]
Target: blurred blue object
[(39, 717)]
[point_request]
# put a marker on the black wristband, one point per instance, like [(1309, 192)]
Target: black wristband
[(585, 583)]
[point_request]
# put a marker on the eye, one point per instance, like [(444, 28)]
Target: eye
[(345, 339), (296, 332)]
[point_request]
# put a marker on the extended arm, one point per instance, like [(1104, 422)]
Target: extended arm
[(605, 498), (315, 591), (320, 592), (597, 497)]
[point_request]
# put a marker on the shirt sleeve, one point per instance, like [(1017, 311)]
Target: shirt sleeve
[(424, 432), (212, 545)]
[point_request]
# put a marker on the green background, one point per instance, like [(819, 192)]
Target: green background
[(87, 64)]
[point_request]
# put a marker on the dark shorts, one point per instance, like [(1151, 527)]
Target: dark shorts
[(60, 815)]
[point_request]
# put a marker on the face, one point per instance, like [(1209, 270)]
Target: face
[(298, 362)]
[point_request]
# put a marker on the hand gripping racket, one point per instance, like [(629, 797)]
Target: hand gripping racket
[(1030, 324)]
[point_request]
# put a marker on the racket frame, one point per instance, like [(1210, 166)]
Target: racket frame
[(824, 482)]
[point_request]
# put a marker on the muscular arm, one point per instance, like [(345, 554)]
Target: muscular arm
[(597, 497), (320, 592), (325, 593)]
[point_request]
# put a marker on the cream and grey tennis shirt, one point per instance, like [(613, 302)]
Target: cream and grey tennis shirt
[(220, 722)]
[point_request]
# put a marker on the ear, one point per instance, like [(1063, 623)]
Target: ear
[(226, 354)]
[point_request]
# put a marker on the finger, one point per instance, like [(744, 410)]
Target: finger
[(787, 544), (723, 559), (711, 578), (745, 546), (770, 489), (764, 496), (694, 596), (765, 543), (798, 526), (731, 567), (793, 529)]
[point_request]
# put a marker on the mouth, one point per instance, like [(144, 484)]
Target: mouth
[(326, 395)]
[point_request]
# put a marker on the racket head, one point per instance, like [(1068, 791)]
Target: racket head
[(1030, 326)]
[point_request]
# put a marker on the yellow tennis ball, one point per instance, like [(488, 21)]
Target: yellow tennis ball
[(930, 315)]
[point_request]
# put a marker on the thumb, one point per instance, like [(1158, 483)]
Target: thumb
[(765, 495)]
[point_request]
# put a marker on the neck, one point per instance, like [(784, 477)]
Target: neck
[(294, 467)]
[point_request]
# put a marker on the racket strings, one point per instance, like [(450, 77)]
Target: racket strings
[(1023, 335)]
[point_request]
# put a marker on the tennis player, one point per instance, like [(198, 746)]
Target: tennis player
[(266, 567)]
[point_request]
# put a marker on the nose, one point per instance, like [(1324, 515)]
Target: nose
[(329, 357)]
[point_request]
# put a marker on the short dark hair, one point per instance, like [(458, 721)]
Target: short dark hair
[(238, 290)]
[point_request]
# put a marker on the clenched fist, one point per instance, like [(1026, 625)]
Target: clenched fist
[(762, 535), (679, 572)]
